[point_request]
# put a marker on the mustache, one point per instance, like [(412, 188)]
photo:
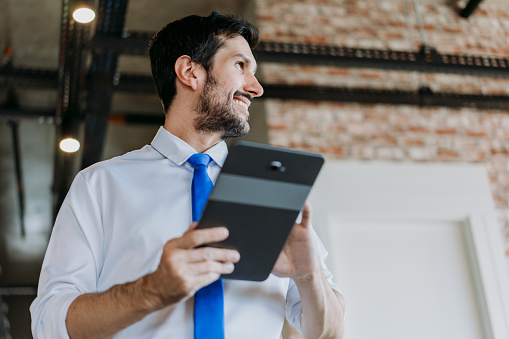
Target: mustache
[(245, 95)]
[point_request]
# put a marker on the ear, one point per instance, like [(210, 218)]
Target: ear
[(188, 72)]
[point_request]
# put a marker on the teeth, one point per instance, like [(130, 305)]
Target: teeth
[(243, 104)]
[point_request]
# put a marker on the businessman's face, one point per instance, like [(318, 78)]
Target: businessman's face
[(228, 92)]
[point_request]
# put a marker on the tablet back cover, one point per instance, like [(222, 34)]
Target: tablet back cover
[(258, 196)]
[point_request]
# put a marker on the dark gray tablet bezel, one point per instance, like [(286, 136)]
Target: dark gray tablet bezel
[(258, 196)]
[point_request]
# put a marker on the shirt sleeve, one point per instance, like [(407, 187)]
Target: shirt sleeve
[(293, 303), (72, 262)]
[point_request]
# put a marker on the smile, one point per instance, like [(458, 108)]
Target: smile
[(241, 103)]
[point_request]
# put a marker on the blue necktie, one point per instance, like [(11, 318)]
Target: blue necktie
[(208, 301)]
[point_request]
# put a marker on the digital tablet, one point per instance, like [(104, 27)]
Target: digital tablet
[(258, 196)]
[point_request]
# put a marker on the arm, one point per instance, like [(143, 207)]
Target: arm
[(322, 308), (64, 305), (182, 271)]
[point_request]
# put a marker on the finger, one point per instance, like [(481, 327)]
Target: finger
[(211, 253), (215, 267), (192, 226), (196, 238), (306, 214), (203, 280)]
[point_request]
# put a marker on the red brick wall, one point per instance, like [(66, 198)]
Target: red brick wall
[(392, 132)]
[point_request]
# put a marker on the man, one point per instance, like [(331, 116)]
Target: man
[(123, 261)]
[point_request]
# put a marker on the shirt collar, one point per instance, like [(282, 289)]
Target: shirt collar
[(178, 151)]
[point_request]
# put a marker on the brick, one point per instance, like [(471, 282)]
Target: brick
[(332, 150), (499, 200), (418, 129), (456, 30), (446, 131), (413, 142), (497, 153), (316, 40), (335, 128), (389, 153), (371, 74), (266, 17), (376, 117), (420, 153), (476, 156), (278, 126), (383, 139), (338, 71), (472, 133), (445, 154)]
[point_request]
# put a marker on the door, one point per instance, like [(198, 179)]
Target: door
[(415, 249)]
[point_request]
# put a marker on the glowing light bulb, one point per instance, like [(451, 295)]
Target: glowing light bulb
[(69, 145), (83, 15)]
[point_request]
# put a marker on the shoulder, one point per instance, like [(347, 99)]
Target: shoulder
[(126, 163)]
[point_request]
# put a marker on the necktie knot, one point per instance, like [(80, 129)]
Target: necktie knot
[(201, 184), (198, 159)]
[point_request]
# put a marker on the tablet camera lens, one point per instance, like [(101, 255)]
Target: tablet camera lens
[(277, 166)]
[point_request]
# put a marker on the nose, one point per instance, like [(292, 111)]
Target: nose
[(253, 87)]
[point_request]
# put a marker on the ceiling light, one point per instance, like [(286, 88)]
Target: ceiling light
[(83, 15), (69, 145)]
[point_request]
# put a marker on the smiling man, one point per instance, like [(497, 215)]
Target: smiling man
[(123, 261)]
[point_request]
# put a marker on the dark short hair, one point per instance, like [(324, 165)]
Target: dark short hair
[(199, 38)]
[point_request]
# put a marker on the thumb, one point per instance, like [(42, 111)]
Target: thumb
[(306, 214), (192, 226)]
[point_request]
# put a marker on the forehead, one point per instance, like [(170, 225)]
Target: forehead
[(233, 48)]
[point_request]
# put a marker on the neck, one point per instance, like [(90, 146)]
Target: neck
[(180, 124)]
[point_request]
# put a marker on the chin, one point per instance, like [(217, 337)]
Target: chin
[(239, 132)]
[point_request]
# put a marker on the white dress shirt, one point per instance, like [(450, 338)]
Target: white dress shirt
[(111, 229)]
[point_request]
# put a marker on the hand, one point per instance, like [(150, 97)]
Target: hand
[(185, 267), (298, 259)]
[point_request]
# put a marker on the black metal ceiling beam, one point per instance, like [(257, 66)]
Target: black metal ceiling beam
[(12, 291), (144, 85), (130, 43), (470, 8), (427, 60), (28, 77), (129, 118), (110, 24), (70, 84), (136, 84), (422, 97), (26, 113)]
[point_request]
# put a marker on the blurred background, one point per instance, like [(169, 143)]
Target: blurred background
[(423, 82)]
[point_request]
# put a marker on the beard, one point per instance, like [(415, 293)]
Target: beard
[(215, 112)]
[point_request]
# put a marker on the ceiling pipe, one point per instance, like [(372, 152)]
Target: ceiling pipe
[(12, 103), (14, 123), (102, 79), (71, 81)]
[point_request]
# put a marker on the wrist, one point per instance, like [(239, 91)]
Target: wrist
[(310, 280), (138, 296), (150, 298), (310, 274)]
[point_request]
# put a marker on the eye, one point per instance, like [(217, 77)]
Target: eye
[(240, 65)]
